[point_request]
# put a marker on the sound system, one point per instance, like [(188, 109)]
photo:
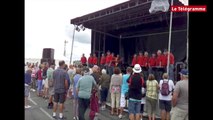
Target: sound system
[(48, 53), (49, 61), (48, 56)]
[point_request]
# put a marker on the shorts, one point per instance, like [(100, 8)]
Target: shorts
[(122, 101), (46, 83), (179, 114), (59, 97), (165, 105), (142, 108), (104, 93), (26, 91), (134, 107), (51, 91)]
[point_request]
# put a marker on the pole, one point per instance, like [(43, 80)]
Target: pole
[(187, 43), (169, 44), (72, 45)]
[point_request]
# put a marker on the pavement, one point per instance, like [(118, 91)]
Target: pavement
[(39, 110)]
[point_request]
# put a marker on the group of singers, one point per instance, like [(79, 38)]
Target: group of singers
[(156, 64)]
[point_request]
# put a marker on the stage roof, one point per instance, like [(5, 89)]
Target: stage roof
[(124, 15)]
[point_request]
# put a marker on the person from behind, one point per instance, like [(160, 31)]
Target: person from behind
[(76, 78), (165, 96), (84, 90), (33, 76), (44, 76), (143, 100), (136, 82), (27, 87), (104, 87), (151, 96), (50, 84), (124, 90), (39, 81), (60, 85), (71, 72), (180, 98), (115, 90)]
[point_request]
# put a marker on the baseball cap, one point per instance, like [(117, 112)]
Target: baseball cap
[(184, 72)]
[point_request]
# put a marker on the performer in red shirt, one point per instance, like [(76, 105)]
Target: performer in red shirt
[(134, 60), (145, 65), (152, 60), (83, 60), (103, 61), (159, 58), (140, 59), (90, 61), (171, 63), (164, 60), (145, 59), (94, 59), (111, 64), (152, 64), (159, 65), (108, 59)]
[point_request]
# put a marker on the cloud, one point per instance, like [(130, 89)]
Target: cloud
[(49, 26), (83, 38)]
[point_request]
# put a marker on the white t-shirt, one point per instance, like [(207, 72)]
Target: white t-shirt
[(143, 100), (171, 87)]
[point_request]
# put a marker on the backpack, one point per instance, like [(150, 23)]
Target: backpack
[(130, 81), (165, 88)]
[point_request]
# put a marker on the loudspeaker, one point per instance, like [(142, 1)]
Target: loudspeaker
[(48, 53), (48, 60)]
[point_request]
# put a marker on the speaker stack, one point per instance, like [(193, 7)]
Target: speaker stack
[(48, 56)]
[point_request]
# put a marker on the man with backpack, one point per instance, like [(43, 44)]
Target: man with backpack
[(136, 82), (165, 96)]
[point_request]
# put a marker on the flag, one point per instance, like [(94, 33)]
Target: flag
[(159, 5), (185, 2)]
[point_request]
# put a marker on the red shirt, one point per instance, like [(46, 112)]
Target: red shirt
[(113, 61), (103, 60), (108, 59), (90, 61), (83, 60), (140, 60), (159, 60), (164, 61), (40, 74), (145, 61), (152, 62), (134, 61), (171, 59), (95, 60)]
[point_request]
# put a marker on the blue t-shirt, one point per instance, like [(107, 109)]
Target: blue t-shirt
[(75, 78), (125, 85)]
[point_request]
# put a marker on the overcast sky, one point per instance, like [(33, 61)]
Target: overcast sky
[(47, 25)]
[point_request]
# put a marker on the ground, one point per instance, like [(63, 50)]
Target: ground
[(39, 111)]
